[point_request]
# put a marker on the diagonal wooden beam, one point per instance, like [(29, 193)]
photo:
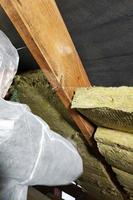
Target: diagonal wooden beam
[(41, 26), (34, 194)]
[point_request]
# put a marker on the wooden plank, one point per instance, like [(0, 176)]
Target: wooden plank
[(42, 28), (34, 194), (72, 190)]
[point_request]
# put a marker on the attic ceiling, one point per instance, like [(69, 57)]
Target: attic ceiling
[(102, 32)]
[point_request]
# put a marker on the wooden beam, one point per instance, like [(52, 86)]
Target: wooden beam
[(42, 28), (72, 190), (34, 194)]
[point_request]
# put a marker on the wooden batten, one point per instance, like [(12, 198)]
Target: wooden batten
[(34, 194), (41, 26)]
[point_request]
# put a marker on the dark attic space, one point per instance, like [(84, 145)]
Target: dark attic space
[(66, 130)]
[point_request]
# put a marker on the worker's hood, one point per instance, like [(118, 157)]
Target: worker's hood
[(8, 63)]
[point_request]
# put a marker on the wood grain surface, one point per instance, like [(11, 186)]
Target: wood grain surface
[(34, 194), (42, 28)]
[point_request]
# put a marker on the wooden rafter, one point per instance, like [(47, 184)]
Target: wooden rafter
[(34, 194), (42, 28)]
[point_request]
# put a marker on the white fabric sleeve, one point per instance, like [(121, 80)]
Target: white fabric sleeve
[(31, 153), (9, 59)]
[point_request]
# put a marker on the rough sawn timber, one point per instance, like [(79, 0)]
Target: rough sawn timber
[(34, 194), (41, 26)]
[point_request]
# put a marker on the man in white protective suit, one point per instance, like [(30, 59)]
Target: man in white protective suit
[(30, 153)]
